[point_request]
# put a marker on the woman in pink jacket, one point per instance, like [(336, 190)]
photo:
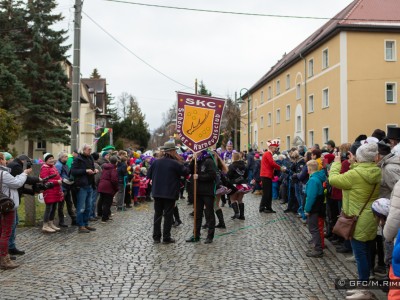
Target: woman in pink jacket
[(53, 195)]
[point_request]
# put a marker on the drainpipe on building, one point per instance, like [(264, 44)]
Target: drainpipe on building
[(305, 99)]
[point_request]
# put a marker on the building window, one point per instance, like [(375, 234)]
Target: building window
[(390, 50), (311, 103), (391, 92), (262, 122), (298, 91), (269, 93), (262, 145), (311, 67), (287, 112), (269, 120), (262, 97), (390, 126), (298, 119), (288, 141), (41, 144), (278, 87), (278, 116), (325, 98), (255, 113), (311, 138), (325, 135), (288, 81), (325, 59)]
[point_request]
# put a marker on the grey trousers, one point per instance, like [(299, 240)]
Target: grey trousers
[(313, 228)]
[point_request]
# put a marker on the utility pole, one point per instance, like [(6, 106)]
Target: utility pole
[(235, 124), (195, 86), (76, 80)]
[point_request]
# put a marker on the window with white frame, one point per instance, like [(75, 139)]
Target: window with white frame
[(311, 137), (325, 98), (298, 91), (287, 112), (262, 97), (298, 120), (288, 141), (391, 92), (310, 103), (278, 116), (269, 93), (325, 59), (390, 50), (278, 87), (311, 67), (262, 122), (288, 81), (269, 119), (325, 135)]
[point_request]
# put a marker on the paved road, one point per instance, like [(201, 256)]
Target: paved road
[(262, 257)]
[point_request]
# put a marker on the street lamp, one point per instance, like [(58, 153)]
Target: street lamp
[(248, 114)]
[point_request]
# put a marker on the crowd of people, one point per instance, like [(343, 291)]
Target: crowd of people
[(318, 185)]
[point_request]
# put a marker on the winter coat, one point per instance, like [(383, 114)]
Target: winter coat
[(122, 169), (256, 170), (207, 172), (392, 224), (336, 193), (17, 167), (109, 180), (357, 185), (78, 171), (268, 165), (165, 174), (55, 194), (303, 176), (237, 172), (98, 175), (250, 161), (10, 184), (315, 192), (63, 170), (390, 166), (136, 180)]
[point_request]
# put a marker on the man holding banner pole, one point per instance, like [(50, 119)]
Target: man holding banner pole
[(198, 125)]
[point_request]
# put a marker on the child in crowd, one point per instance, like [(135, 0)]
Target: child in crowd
[(136, 185)]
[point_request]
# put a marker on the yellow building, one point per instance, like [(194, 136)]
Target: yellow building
[(340, 82)]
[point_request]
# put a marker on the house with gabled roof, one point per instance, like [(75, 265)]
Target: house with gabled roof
[(340, 82)]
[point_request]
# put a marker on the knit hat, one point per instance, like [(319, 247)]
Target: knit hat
[(257, 155), (104, 153), (380, 207), (384, 147), (367, 152), (47, 156), (7, 156), (329, 158), (143, 170)]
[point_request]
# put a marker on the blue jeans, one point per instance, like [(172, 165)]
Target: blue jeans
[(84, 196), (92, 213), (298, 189), (362, 254), (250, 176), (11, 241)]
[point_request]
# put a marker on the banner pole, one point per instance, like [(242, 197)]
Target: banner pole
[(195, 195)]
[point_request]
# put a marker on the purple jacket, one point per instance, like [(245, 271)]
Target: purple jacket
[(109, 180)]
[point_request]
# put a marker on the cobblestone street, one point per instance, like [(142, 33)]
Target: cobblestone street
[(262, 257)]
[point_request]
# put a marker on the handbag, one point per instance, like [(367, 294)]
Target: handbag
[(6, 203), (346, 224)]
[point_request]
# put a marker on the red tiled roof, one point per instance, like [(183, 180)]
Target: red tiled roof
[(358, 15)]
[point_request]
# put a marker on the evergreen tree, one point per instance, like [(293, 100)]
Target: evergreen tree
[(203, 90), (95, 74), (133, 127), (14, 96), (48, 114)]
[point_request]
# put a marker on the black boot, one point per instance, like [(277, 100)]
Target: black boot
[(220, 216), (241, 209), (236, 210)]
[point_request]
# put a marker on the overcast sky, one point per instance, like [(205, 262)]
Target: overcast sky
[(228, 52)]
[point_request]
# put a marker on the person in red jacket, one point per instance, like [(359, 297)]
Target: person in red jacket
[(53, 195), (268, 165)]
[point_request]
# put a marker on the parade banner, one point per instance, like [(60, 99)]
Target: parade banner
[(198, 120)]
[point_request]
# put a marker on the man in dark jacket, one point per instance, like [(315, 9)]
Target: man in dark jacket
[(165, 174), (17, 167), (250, 165), (206, 176), (83, 171)]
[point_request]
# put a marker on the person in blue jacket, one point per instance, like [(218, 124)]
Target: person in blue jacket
[(314, 207)]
